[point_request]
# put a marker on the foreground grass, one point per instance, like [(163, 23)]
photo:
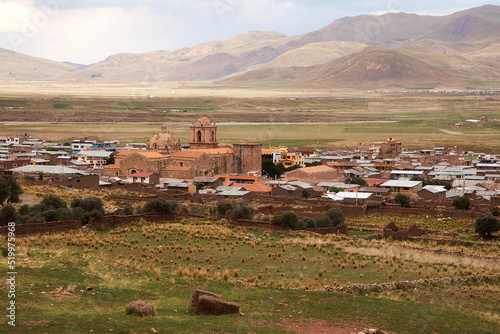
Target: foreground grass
[(82, 281)]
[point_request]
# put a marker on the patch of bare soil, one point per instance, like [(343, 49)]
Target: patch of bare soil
[(29, 199), (317, 327)]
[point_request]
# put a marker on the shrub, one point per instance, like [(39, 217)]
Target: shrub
[(461, 203), (7, 214), (291, 219), (243, 212), (53, 202), (495, 212), (32, 218), (159, 205), (9, 190), (336, 216), (223, 208), (402, 199), (88, 215), (128, 210), (486, 225), (306, 193), (24, 210), (49, 215), (276, 220)]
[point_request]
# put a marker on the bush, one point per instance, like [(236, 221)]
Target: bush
[(24, 210), (402, 199), (7, 214), (306, 193), (86, 209), (53, 202), (88, 204), (87, 216), (461, 203), (159, 205), (336, 217), (486, 225), (291, 219), (243, 212), (495, 212), (223, 208), (127, 211), (32, 218)]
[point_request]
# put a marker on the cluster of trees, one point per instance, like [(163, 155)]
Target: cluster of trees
[(53, 208), (332, 217)]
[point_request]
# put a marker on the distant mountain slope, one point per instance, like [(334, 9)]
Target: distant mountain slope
[(315, 53), (460, 48), (16, 66), (373, 66)]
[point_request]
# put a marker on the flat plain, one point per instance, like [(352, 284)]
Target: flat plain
[(324, 118)]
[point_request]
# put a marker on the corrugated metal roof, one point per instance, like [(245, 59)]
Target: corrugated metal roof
[(401, 184), (48, 170)]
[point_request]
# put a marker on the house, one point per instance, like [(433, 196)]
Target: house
[(287, 190), (97, 158), (434, 193), (376, 191), (209, 182), (144, 178), (187, 187), (313, 174), (397, 174), (403, 186)]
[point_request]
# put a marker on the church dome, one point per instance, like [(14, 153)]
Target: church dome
[(203, 122), (163, 141)]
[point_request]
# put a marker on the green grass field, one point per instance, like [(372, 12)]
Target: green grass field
[(420, 120), (81, 282)]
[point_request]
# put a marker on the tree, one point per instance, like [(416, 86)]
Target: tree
[(306, 193), (9, 190), (356, 180), (402, 199), (495, 212), (223, 208), (159, 205), (336, 190), (335, 217), (243, 212), (110, 160), (7, 214), (53, 202), (291, 219), (272, 170), (461, 203), (486, 225)]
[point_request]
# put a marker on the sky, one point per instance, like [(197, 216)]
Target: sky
[(88, 31)]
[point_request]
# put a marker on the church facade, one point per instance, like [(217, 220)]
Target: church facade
[(204, 158)]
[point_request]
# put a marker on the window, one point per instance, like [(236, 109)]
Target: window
[(198, 134), (406, 188), (14, 165)]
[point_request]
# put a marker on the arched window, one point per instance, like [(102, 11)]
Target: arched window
[(155, 147), (199, 136), (213, 136)]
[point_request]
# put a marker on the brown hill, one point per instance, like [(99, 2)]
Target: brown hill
[(16, 66), (466, 31), (315, 53), (376, 67)]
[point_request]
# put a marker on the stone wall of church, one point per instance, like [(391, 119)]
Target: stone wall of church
[(248, 158)]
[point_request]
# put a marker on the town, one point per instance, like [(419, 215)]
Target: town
[(164, 165)]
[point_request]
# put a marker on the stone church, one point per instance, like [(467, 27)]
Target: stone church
[(204, 158)]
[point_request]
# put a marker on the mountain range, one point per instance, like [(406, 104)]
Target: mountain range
[(394, 49)]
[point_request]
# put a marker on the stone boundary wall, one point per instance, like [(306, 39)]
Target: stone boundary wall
[(106, 222), (109, 221), (404, 285), (44, 228)]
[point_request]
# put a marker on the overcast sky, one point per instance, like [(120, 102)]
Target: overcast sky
[(87, 31)]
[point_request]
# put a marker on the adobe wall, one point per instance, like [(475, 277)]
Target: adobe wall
[(109, 221), (43, 228)]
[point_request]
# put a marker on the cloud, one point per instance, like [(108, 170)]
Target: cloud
[(87, 31)]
